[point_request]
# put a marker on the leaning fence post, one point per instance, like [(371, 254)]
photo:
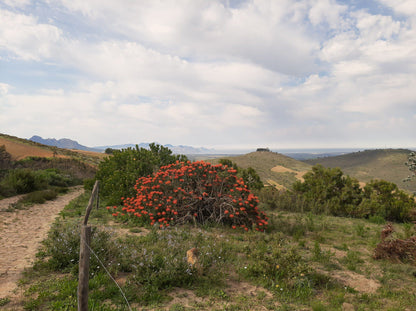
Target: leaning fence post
[(84, 254)]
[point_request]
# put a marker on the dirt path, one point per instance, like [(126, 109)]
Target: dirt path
[(21, 232)]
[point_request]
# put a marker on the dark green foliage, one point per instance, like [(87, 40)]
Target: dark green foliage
[(118, 173), (249, 175), (251, 178), (383, 198), (109, 151), (327, 190), (21, 181), (76, 169), (5, 158), (24, 180)]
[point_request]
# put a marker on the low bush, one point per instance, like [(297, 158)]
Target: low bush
[(39, 197), (20, 181), (193, 193), (61, 249)]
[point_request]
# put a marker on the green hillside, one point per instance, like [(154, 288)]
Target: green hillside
[(273, 168), (387, 164)]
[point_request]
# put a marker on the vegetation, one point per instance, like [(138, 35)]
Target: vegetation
[(303, 261), (195, 192), (118, 173), (40, 178), (249, 175), (384, 164), (329, 191), (306, 258)]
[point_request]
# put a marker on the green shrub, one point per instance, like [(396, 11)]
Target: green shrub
[(119, 172), (61, 249), (326, 190), (21, 181)]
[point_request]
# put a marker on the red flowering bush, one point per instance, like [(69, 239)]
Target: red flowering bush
[(198, 192)]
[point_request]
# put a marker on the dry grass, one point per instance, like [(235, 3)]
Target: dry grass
[(20, 151)]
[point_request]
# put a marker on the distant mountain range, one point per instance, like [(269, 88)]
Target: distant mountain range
[(67, 143), (64, 143)]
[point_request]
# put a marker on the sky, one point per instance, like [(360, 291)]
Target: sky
[(211, 73)]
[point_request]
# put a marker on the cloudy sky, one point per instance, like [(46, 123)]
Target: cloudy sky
[(212, 73)]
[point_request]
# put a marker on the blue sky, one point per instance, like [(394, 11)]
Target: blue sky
[(213, 73)]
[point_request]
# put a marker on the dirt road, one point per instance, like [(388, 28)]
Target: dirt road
[(21, 232)]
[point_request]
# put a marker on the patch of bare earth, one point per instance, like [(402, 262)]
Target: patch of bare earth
[(188, 299), (357, 281), (282, 169), (21, 232)]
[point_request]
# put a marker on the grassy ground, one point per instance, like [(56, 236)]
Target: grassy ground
[(303, 262)]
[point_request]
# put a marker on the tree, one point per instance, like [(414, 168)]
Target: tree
[(5, 158), (328, 190), (109, 151), (411, 164), (119, 172), (251, 178), (385, 199)]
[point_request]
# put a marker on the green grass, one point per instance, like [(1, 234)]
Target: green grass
[(303, 262)]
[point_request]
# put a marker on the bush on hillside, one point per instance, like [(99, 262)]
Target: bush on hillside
[(198, 192), (118, 173), (385, 199), (327, 190), (24, 180), (76, 169), (5, 158)]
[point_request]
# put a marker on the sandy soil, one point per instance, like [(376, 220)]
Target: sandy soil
[(282, 169), (21, 232)]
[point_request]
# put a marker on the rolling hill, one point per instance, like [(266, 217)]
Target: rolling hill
[(273, 168), (386, 164), (20, 148)]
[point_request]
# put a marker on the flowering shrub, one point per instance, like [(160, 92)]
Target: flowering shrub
[(198, 192)]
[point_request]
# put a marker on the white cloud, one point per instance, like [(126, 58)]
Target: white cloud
[(326, 12), (406, 7), (16, 3), (4, 88), (23, 37), (201, 72)]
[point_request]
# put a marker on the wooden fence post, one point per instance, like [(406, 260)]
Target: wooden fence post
[(84, 254)]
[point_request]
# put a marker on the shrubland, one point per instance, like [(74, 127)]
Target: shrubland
[(39, 178), (329, 191), (316, 243)]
